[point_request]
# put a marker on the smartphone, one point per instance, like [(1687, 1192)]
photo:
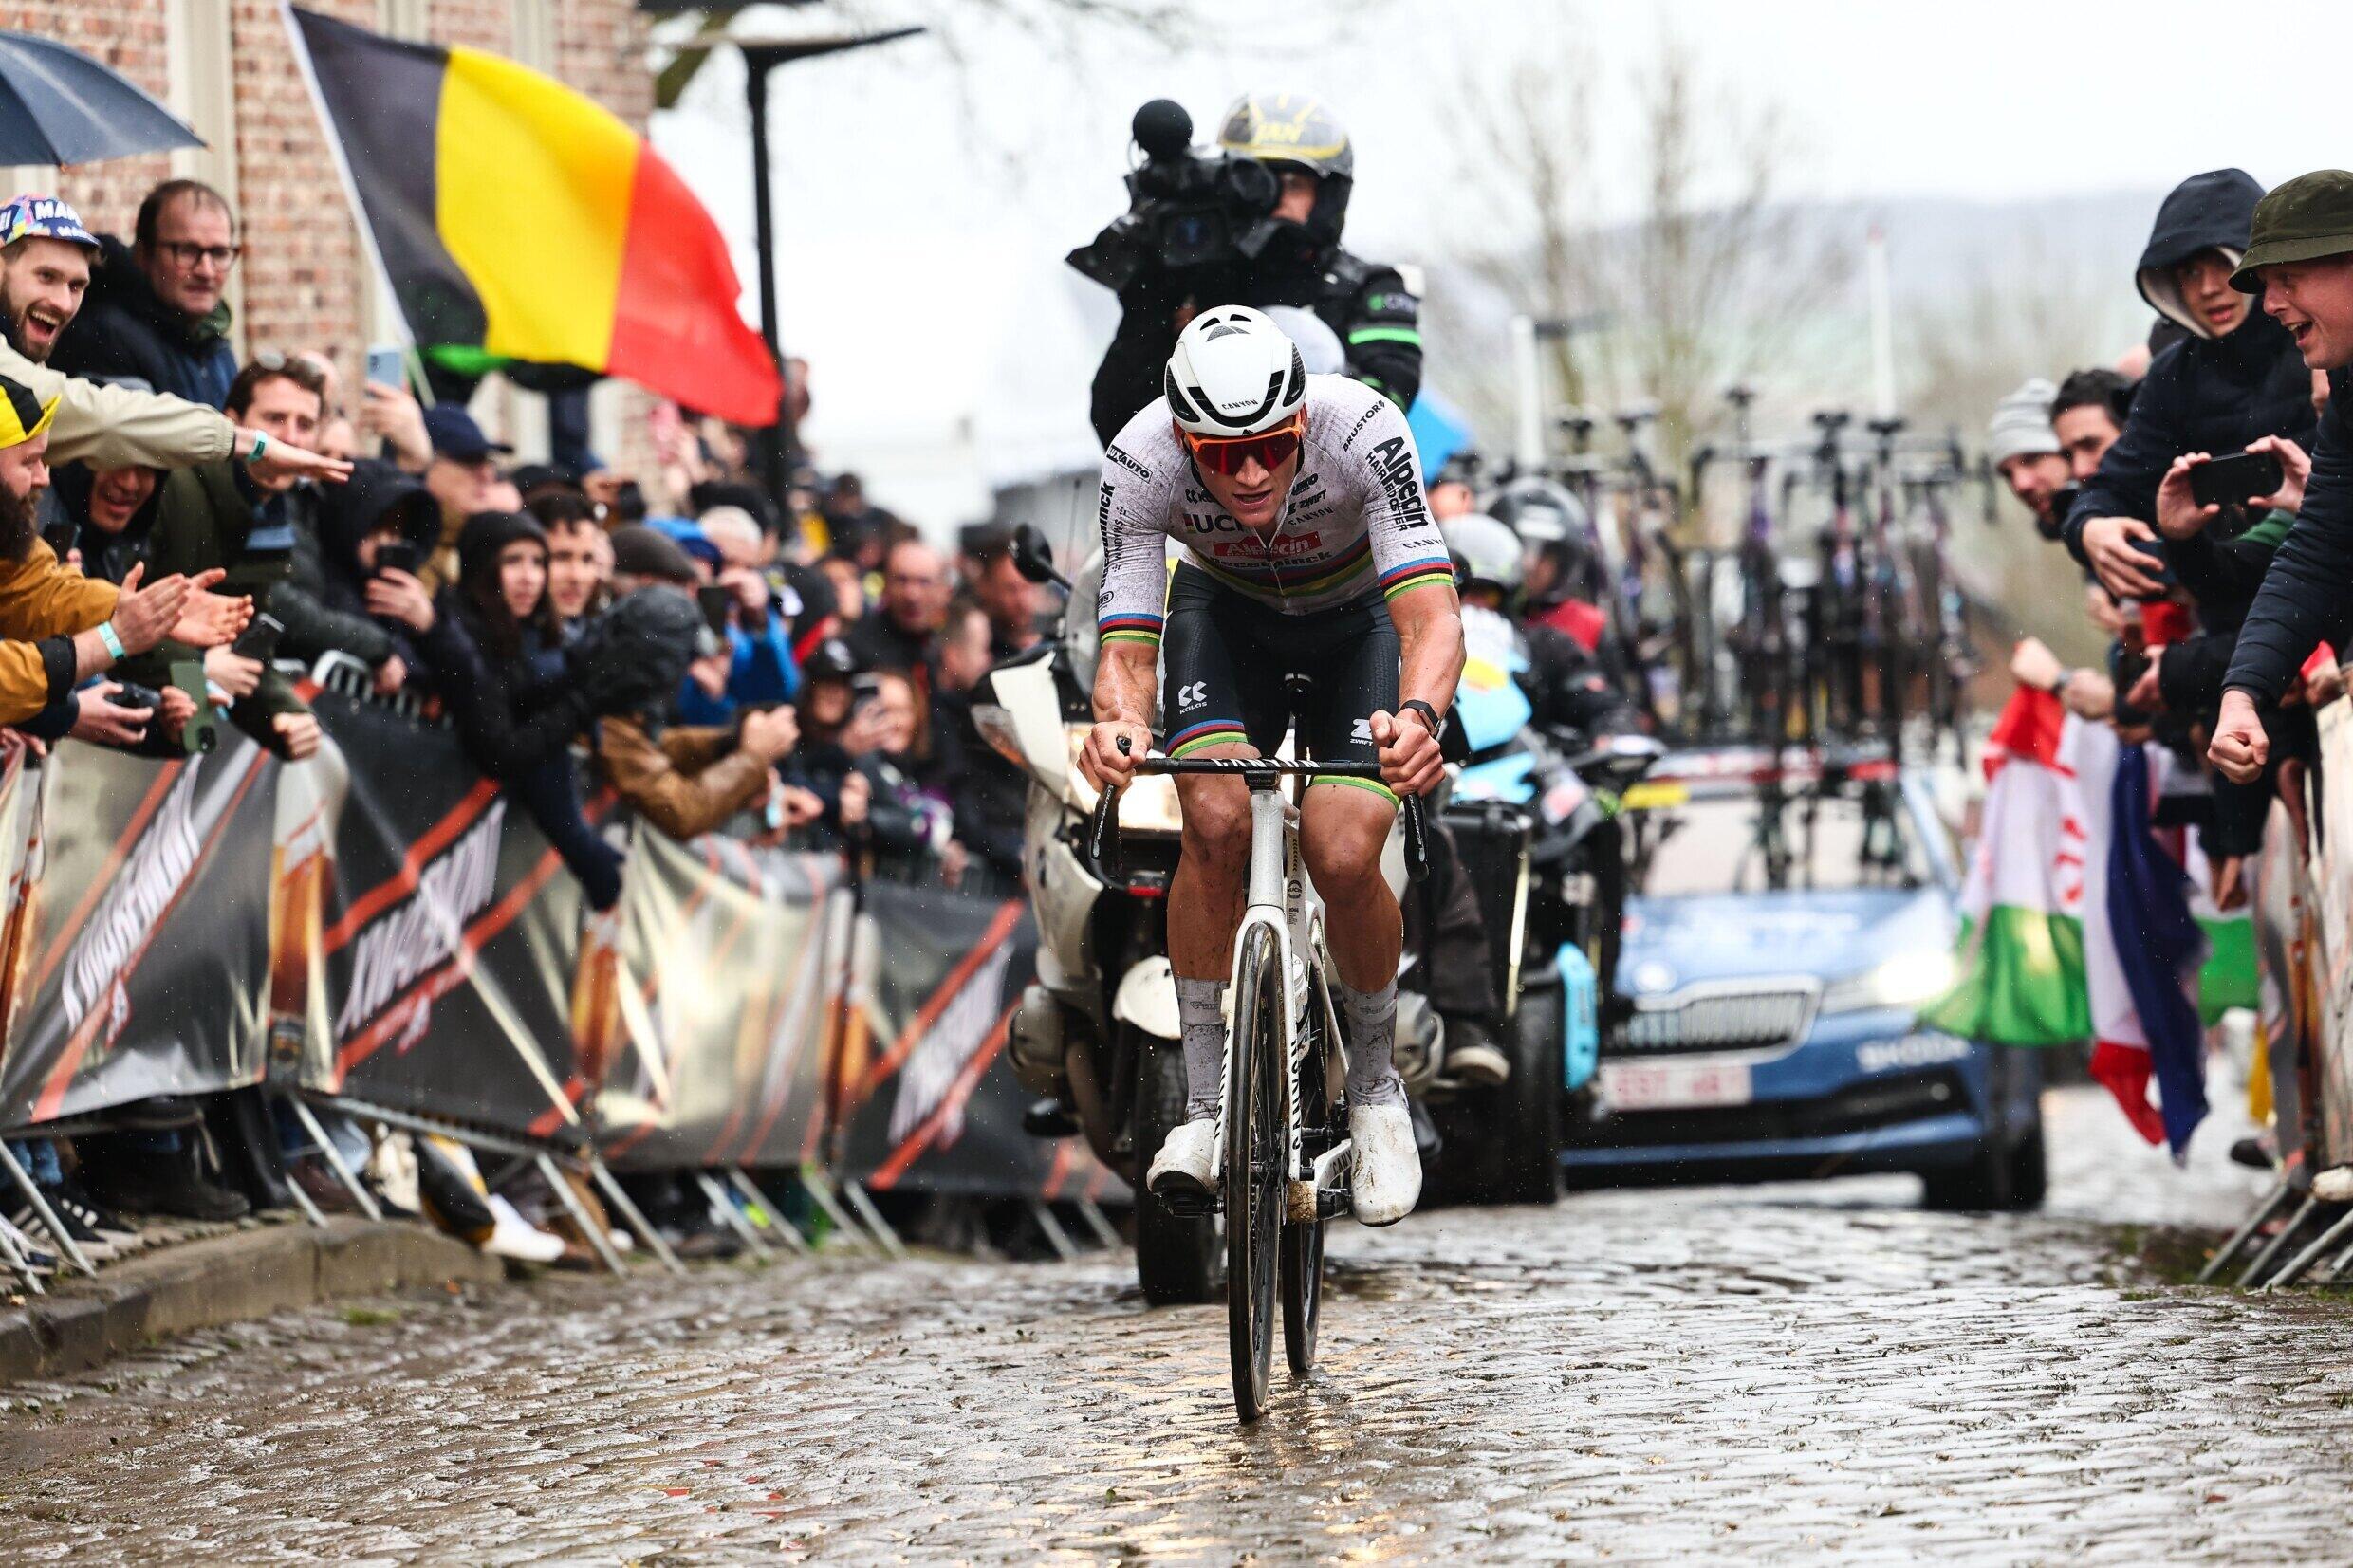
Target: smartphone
[(718, 606), (387, 365), (134, 695), (201, 733), (2235, 480), (2155, 550), (399, 556), (260, 638), (863, 690)]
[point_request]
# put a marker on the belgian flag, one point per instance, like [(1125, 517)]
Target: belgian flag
[(518, 219)]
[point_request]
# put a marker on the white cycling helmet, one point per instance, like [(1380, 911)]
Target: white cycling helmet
[(1484, 551), (1234, 373)]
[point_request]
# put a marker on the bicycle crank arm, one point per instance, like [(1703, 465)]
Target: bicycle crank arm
[(1327, 1196)]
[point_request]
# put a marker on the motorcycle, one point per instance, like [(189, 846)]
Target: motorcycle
[(1534, 814), (1096, 1033)]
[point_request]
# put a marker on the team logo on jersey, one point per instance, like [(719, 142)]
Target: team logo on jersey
[(1362, 732), (1193, 695), (1393, 465), (1126, 462), (1358, 429)]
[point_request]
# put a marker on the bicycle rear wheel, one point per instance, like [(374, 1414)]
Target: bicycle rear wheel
[(1256, 1154), (1303, 1240)]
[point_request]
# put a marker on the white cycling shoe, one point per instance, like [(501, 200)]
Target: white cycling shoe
[(1384, 1165), (1187, 1163)]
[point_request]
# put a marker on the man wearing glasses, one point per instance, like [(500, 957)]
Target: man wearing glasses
[(1308, 550), (155, 309)]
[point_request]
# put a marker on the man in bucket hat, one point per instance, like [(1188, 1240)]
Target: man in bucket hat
[(2299, 260)]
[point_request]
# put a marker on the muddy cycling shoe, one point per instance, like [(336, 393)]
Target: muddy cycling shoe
[(1470, 1054), (1186, 1166), (1384, 1167)]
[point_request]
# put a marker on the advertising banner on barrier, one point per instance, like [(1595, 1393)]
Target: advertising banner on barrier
[(448, 937), (144, 950), (926, 1102), (708, 1022)]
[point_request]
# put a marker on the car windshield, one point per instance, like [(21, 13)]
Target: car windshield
[(1865, 839)]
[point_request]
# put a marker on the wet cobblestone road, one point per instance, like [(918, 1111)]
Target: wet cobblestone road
[(1806, 1375)]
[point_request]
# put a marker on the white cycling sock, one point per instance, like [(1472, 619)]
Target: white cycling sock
[(1201, 1021), (1372, 1037)]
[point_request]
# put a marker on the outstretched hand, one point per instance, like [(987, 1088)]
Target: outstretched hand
[(207, 619)]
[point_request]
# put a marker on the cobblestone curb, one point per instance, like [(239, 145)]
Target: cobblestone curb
[(83, 1322)]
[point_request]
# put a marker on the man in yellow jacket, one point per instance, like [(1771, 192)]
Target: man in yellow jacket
[(57, 627)]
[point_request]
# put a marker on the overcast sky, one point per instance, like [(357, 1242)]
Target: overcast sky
[(894, 166)]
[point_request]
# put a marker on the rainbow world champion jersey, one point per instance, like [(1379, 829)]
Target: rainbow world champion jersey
[(1354, 527)]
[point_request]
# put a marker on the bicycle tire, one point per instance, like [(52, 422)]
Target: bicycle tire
[(1303, 1241), (1177, 1256), (1256, 1158)]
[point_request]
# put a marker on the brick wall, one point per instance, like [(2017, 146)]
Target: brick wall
[(303, 273)]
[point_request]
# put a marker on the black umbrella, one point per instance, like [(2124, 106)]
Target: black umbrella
[(58, 105)]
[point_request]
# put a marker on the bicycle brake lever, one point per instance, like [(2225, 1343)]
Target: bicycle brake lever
[(1103, 835), (1416, 845)]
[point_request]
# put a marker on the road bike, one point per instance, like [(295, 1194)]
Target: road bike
[(1283, 1121)]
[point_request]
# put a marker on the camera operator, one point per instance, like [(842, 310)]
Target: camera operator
[(1208, 232)]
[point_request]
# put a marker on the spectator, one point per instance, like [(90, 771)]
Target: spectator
[(461, 476), (498, 656), (902, 634), (988, 794), (2301, 258), (642, 558), (849, 589), (580, 559), (1010, 600), (222, 515), (2025, 450), (45, 270), (331, 601), (760, 665), (2087, 415), (155, 309), (2235, 378), (684, 780)]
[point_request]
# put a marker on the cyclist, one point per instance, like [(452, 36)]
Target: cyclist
[(1564, 685), (1308, 551)]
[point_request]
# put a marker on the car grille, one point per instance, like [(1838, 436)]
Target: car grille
[(1746, 1019)]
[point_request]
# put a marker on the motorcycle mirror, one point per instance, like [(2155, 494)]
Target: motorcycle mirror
[(1035, 558)]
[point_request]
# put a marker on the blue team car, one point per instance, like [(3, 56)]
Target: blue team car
[(1786, 917)]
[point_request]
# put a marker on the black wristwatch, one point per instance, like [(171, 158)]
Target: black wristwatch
[(1429, 715)]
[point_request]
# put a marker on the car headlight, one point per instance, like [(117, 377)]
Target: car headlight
[(1907, 980)]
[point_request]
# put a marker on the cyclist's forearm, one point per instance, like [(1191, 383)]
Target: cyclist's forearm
[(1125, 683), (1429, 646)]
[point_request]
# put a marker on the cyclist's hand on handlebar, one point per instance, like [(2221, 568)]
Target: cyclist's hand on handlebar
[(1410, 762), (1104, 764)]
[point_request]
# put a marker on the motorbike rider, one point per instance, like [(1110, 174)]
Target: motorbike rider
[(1308, 550), (1562, 584), (1368, 307)]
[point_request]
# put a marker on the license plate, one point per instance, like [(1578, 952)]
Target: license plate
[(1673, 1085)]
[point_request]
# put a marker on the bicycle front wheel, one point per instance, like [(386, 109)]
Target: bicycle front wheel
[(1303, 1240), (1256, 1153)]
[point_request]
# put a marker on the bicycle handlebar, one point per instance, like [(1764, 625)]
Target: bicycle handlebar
[(1103, 839)]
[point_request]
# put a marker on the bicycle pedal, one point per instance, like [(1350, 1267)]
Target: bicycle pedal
[(1192, 1202), (1332, 1203)]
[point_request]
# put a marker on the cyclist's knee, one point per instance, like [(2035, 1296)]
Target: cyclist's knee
[(1342, 841), (1217, 825)]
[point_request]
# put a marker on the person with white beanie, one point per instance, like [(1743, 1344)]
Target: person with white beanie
[(2024, 448)]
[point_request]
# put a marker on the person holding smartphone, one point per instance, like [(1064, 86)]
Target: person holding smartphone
[(352, 586)]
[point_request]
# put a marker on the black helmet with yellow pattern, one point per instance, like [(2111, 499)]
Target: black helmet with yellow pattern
[(1295, 129)]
